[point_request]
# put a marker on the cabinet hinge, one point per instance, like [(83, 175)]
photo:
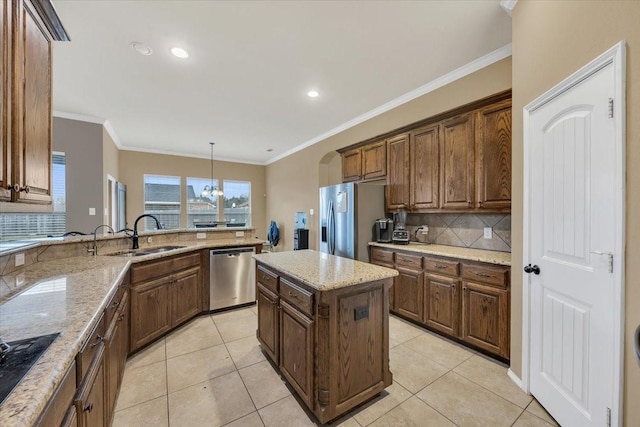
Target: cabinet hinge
[(610, 108), (608, 417)]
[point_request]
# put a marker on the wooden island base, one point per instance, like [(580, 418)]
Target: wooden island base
[(330, 343)]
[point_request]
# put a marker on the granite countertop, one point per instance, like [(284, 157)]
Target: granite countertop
[(66, 296), (482, 255), (322, 271)]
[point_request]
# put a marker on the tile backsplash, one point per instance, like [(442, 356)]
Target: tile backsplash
[(464, 230)]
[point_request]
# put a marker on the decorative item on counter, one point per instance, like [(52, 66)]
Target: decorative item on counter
[(273, 236), (421, 233)]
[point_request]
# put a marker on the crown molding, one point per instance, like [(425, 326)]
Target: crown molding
[(190, 155), (508, 5), (471, 67)]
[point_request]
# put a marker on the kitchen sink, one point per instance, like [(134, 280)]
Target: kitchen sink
[(144, 251)]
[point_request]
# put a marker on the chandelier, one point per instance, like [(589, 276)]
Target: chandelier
[(211, 190)]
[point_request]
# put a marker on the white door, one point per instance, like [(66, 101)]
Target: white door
[(572, 229)]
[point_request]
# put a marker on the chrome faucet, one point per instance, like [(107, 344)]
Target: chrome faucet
[(95, 238), (134, 238)]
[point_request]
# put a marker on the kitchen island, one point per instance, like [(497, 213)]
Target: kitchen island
[(323, 321)]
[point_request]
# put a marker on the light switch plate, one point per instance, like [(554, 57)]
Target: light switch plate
[(19, 260), (92, 211), (201, 235), (311, 212), (239, 233), (488, 233)]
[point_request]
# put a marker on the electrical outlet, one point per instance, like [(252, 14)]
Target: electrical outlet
[(239, 233), (149, 239), (19, 260), (488, 233), (201, 235)]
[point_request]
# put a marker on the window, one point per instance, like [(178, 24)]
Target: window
[(28, 226), (237, 203), (201, 210), (162, 200)]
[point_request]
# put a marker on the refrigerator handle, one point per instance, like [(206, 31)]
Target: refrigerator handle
[(331, 229)]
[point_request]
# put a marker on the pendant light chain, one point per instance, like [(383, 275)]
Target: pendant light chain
[(211, 182)]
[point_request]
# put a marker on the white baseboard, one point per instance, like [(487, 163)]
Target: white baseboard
[(516, 380)]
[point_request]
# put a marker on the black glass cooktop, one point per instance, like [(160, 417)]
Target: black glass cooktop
[(17, 362)]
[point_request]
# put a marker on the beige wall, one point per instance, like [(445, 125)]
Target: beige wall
[(293, 182), (110, 166), (133, 165), (82, 144), (551, 40)]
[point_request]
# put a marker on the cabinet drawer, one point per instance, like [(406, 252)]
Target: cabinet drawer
[(410, 261), (61, 401), (442, 266), (267, 278), (115, 302), (488, 274), (140, 273), (381, 256), (300, 298), (90, 349)]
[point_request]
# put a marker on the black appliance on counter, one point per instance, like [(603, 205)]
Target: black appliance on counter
[(384, 229)]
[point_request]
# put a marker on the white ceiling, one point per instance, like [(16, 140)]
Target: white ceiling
[(251, 64)]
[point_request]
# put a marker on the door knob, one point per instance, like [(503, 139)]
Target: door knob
[(532, 269)]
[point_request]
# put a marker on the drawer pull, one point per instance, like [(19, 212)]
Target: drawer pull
[(291, 294), (453, 285), (440, 266), (121, 317), (482, 274), (99, 339), (115, 304), (88, 408)]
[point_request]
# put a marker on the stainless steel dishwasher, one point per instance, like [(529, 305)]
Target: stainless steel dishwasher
[(231, 277)]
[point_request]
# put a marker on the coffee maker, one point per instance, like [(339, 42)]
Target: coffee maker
[(384, 229), (400, 234)]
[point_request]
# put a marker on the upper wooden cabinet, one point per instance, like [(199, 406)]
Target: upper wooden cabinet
[(365, 163), (398, 175), (456, 164), (425, 170), (456, 161), (28, 29), (493, 156)]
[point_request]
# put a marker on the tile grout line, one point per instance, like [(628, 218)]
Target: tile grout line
[(166, 367)]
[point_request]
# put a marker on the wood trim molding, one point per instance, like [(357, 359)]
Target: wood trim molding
[(508, 5)]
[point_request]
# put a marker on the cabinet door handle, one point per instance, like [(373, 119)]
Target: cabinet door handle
[(88, 408), (121, 317), (16, 187), (98, 341), (453, 285), (115, 304)]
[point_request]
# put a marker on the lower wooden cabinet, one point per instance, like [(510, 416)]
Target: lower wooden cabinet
[(485, 317), (185, 295), (164, 294), (117, 347), (268, 332), (60, 404), (90, 400), (296, 355), (409, 293), (150, 312), (442, 303), (468, 301)]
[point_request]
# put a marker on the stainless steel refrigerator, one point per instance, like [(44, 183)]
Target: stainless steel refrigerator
[(347, 214)]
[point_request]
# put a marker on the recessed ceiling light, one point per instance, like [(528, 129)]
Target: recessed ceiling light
[(312, 94), (179, 52), (142, 48)]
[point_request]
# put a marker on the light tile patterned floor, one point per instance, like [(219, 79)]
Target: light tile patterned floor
[(211, 372)]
